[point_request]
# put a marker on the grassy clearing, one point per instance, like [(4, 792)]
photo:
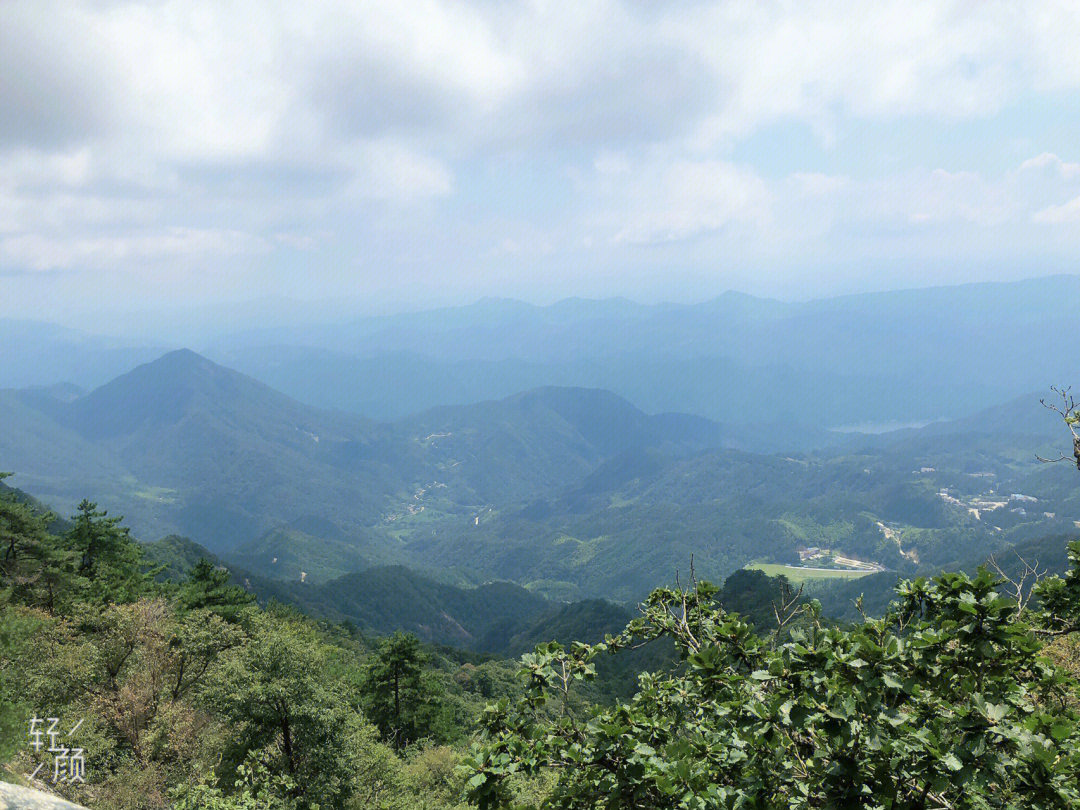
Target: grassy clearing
[(797, 574), (156, 494)]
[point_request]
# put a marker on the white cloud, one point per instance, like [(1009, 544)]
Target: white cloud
[(939, 197), (194, 128), (817, 184), (384, 170), (673, 200), (814, 61), (923, 199), (1050, 163), (667, 199), (1068, 212), (195, 80), (38, 252)]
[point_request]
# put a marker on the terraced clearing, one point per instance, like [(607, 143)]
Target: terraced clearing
[(796, 573)]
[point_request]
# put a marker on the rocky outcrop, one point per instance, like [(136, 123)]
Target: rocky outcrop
[(13, 797)]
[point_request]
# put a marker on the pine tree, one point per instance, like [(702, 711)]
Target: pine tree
[(38, 567), (207, 586), (396, 697), (109, 559)]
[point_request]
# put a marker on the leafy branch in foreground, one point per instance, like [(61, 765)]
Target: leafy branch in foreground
[(945, 702)]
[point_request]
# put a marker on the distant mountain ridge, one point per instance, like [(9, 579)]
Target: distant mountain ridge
[(36, 353), (571, 492), (903, 356)]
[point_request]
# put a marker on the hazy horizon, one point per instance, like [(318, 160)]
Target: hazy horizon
[(182, 324)]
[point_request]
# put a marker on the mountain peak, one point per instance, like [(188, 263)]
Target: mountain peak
[(184, 354), (175, 372), (164, 391), (181, 359)]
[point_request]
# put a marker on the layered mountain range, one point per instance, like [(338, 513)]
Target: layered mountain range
[(182, 443), (891, 357), (570, 492)]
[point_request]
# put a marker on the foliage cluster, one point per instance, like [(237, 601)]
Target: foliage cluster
[(944, 702), (194, 697)]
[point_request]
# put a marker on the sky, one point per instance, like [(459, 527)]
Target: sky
[(374, 156)]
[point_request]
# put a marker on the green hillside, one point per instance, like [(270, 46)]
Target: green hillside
[(382, 600), (573, 492), (183, 445), (244, 704), (324, 552), (176, 556)]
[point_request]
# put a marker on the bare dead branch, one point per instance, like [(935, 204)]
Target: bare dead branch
[(1070, 415), (1061, 631), (1020, 585), (788, 607)]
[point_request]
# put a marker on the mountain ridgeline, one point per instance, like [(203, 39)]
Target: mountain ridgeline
[(901, 356), (889, 357), (182, 444), (572, 493), (326, 617)]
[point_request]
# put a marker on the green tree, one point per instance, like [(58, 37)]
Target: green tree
[(198, 639), (284, 707), (398, 698), (255, 788), (208, 587), (36, 566), (109, 559)]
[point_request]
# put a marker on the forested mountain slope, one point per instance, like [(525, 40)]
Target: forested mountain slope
[(572, 492), (173, 678), (184, 445)]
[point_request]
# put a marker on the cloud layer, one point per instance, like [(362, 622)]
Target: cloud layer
[(589, 146)]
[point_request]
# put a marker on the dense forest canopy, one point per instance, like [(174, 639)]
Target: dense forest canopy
[(191, 695), (194, 696), (572, 493)]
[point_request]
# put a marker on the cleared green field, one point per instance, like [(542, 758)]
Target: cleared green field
[(796, 574)]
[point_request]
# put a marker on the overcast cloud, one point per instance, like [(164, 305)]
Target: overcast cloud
[(410, 153)]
